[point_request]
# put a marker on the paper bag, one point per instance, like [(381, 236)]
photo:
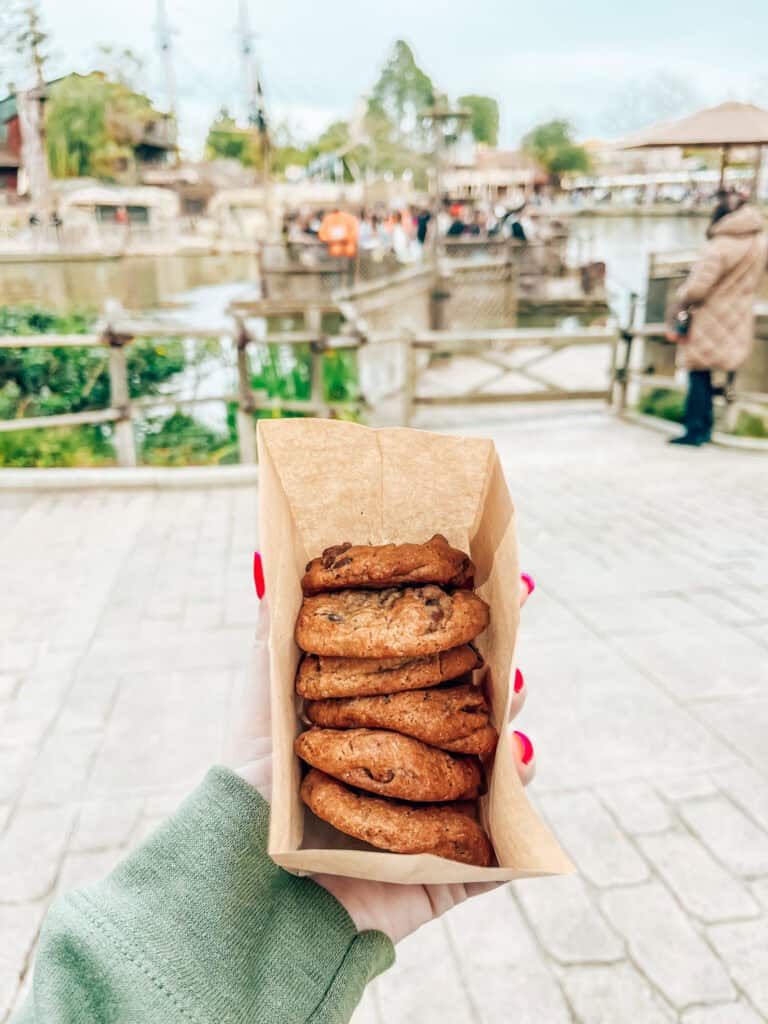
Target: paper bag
[(325, 482)]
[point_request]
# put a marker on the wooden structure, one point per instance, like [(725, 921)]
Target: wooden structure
[(508, 352), (117, 336)]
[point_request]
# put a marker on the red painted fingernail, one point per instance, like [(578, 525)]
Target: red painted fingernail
[(528, 581), (519, 681), (258, 575), (526, 747)]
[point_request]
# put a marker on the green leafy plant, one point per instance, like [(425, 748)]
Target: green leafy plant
[(750, 425), (665, 403), (181, 440)]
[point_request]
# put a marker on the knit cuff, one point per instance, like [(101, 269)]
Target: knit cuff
[(226, 930)]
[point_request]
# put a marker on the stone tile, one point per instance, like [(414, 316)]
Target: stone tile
[(598, 848), (87, 704), (638, 615), (746, 788), (8, 685), (672, 955), (735, 840), (366, 1012), (759, 890), (14, 763), (636, 807), (566, 922), (704, 888), (80, 869), (425, 963), (18, 927), (505, 975), (595, 719), (732, 1013), (744, 948), (104, 824), (613, 995), (686, 787), (741, 723), (727, 664), (30, 851), (61, 769)]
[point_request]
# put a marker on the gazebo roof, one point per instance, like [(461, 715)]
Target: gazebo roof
[(729, 124)]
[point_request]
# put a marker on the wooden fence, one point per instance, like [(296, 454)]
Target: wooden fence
[(118, 336)]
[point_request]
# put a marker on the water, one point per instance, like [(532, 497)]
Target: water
[(203, 285), (625, 244)]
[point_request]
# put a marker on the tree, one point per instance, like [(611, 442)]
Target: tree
[(403, 91), (94, 125), (552, 146), (226, 140), (485, 117)]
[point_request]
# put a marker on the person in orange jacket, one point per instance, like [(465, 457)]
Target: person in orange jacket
[(339, 232)]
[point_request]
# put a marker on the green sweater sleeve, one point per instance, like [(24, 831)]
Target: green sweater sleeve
[(199, 926)]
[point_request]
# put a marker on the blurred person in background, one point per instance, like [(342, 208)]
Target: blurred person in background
[(714, 322), (339, 231)]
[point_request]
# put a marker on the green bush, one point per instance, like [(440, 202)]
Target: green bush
[(750, 425), (665, 403), (181, 440), (57, 446)]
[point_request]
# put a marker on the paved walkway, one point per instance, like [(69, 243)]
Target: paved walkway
[(124, 621)]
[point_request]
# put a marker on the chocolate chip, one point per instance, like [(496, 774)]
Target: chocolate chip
[(307, 567), (431, 601), (437, 615), (333, 617), (340, 562), (331, 554)]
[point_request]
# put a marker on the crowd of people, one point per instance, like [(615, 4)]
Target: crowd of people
[(404, 232)]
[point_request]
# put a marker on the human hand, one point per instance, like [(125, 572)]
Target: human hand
[(397, 910)]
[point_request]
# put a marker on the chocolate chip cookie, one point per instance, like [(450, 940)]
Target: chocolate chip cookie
[(455, 719), (401, 828), (394, 623), (390, 764), (374, 567), (320, 677)]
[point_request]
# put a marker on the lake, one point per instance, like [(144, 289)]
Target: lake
[(202, 286)]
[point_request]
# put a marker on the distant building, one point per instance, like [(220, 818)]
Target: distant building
[(10, 146), (493, 176), (153, 144)]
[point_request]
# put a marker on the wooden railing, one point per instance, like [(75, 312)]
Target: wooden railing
[(118, 335), (507, 351)]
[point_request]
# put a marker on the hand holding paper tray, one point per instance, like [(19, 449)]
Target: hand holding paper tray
[(322, 482)]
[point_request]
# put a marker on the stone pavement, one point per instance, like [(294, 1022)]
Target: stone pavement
[(124, 624)]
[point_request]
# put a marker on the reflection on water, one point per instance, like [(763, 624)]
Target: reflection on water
[(151, 282), (625, 243), (136, 282)]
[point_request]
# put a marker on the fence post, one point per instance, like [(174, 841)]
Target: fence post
[(621, 374), (410, 383), (438, 300), (125, 442), (246, 428), (313, 324)]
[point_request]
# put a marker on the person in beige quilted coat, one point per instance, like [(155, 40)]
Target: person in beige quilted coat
[(720, 292)]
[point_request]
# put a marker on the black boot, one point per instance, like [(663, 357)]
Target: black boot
[(699, 415), (689, 439)]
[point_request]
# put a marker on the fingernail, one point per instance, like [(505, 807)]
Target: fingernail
[(519, 681), (258, 575), (528, 581), (525, 746)]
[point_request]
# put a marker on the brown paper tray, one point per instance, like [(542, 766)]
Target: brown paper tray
[(323, 482)]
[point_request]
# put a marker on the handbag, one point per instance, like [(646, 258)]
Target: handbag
[(680, 326)]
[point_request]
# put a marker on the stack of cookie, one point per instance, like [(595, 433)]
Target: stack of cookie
[(387, 636)]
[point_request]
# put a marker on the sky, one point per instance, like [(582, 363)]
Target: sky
[(608, 67)]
